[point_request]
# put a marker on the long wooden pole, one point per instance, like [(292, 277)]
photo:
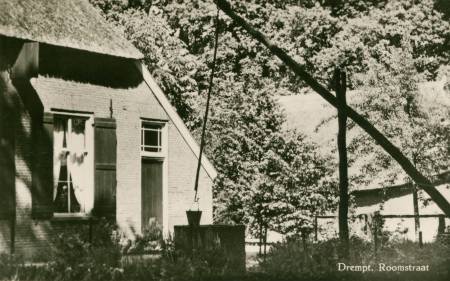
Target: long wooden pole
[(341, 88), (416, 210), (208, 98), (379, 138)]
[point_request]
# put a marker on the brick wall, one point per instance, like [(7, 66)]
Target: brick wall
[(5, 236), (129, 106), (182, 168), (30, 236)]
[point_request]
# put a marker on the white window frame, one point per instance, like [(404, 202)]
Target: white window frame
[(162, 139), (89, 150)]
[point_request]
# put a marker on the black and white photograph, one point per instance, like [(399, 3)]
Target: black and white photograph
[(228, 140)]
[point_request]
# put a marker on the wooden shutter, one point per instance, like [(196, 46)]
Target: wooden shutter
[(105, 167), (42, 176)]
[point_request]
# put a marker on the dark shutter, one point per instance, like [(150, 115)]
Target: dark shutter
[(105, 167), (42, 179)]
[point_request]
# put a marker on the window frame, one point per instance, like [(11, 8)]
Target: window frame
[(88, 150), (162, 138)]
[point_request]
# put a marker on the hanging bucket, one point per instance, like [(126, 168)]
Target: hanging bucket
[(194, 217)]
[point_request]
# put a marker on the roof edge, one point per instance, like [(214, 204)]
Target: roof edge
[(438, 179), (136, 56), (176, 119)]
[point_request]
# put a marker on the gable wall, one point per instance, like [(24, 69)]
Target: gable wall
[(129, 106)]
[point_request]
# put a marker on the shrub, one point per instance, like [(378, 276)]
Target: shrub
[(74, 257), (151, 241), (8, 266), (288, 260)]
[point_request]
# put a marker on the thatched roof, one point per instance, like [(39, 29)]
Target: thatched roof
[(67, 23), (306, 112)]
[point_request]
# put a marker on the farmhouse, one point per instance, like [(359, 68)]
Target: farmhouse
[(392, 198), (85, 131)]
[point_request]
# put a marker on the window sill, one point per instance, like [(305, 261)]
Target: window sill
[(71, 217), (153, 154)]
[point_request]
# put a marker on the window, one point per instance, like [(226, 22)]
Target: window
[(72, 165), (152, 138)]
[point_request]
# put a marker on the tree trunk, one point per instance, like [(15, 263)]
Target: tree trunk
[(379, 138), (341, 87), (304, 235), (260, 237), (416, 211), (265, 242)]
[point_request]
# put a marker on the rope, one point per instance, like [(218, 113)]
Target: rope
[(202, 142)]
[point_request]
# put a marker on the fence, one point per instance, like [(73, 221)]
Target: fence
[(252, 245), (435, 224)]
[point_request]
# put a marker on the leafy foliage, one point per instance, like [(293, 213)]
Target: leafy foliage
[(149, 242), (373, 36), (393, 102), (288, 260), (295, 184), (74, 257)]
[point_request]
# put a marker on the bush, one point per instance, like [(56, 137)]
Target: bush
[(74, 257), (207, 264), (13, 268), (8, 266), (289, 261), (150, 242)]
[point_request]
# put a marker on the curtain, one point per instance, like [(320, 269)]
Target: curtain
[(77, 163), (58, 156)]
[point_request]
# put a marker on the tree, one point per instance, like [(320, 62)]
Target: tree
[(294, 183), (306, 186), (375, 134), (371, 35), (243, 119), (392, 101)]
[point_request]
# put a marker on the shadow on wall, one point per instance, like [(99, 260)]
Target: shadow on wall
[(84, 67), (22, 139)]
